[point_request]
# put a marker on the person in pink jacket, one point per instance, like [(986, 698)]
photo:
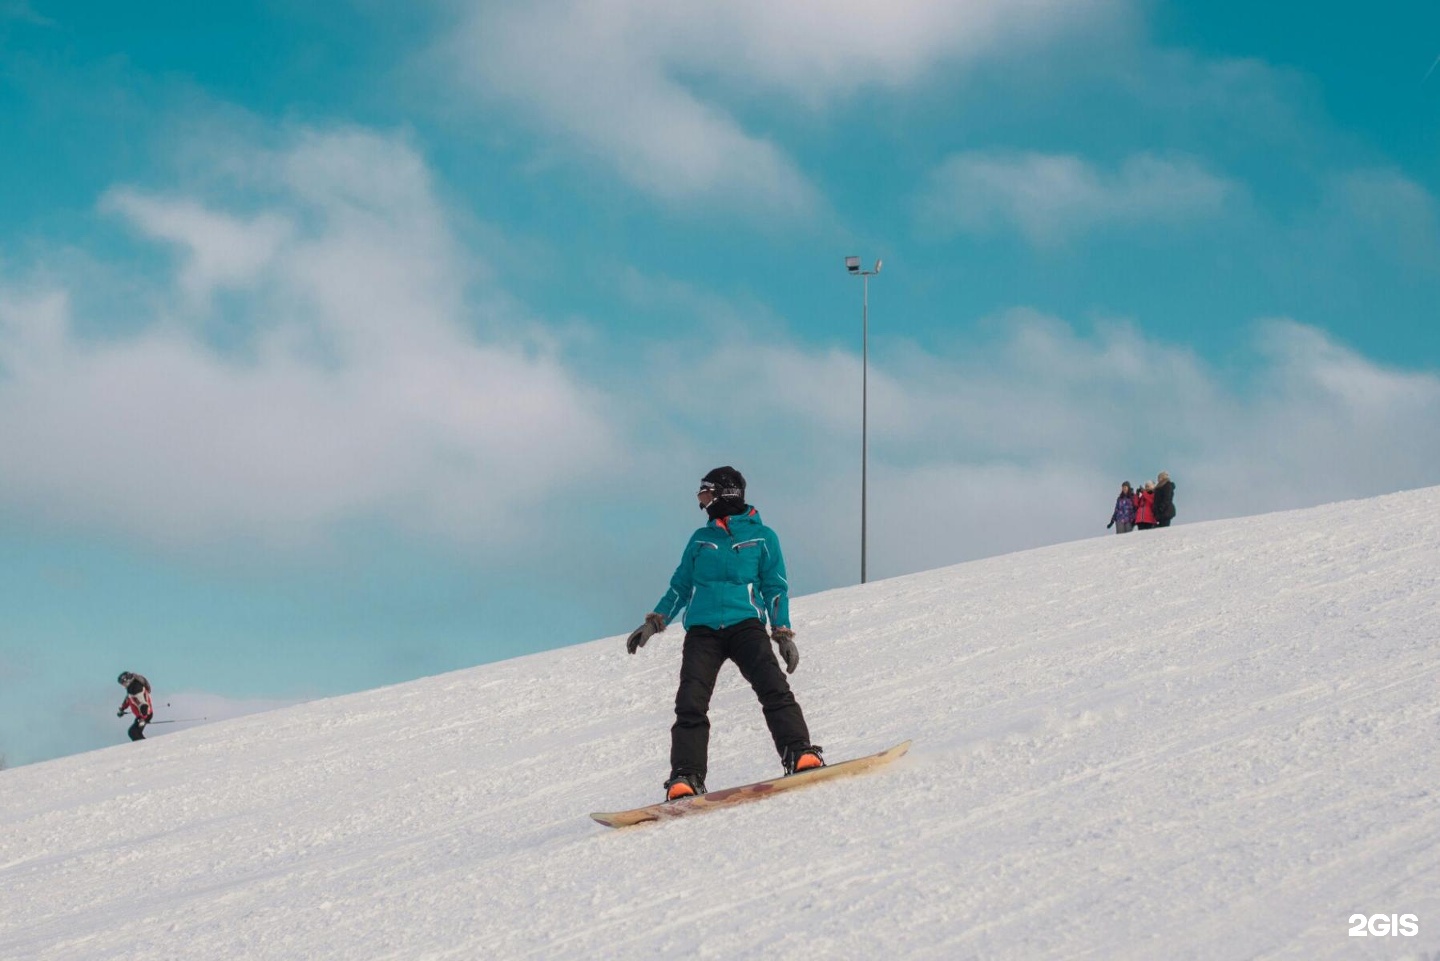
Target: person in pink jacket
[(1145, 507)]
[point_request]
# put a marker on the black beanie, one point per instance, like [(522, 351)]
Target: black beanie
[(729, 487)]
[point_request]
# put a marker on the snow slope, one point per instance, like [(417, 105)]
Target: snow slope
[(1215, 741)]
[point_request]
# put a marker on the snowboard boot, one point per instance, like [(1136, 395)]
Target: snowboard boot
[(799, 759), (683, 786)]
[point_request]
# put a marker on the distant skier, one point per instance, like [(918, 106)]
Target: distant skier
[(731, 580), (137, 701)]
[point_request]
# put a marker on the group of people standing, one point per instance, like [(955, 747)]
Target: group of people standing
[(1153, 505)]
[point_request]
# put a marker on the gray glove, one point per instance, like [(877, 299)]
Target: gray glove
[(785, 637), (654, 624)]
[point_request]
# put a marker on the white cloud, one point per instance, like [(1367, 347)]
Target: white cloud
[(220, 251), (21, 11), (819, 50), (1200, 99), (1326, 424), (357, 390), (639, 83), (1049, 197), (1386, 210)]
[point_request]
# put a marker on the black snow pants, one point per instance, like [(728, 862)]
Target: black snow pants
[(706, 651), (137, 730)]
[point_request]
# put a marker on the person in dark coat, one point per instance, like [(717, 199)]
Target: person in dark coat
[(1123, 517), (1164, 500)]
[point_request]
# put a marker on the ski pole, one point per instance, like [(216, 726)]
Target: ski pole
[(180, 720)]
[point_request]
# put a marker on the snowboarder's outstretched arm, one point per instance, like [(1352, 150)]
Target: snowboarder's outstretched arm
[(682, 585), (679, 594)]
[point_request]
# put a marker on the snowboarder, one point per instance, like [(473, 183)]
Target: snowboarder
[(731, 580), (137, 701)]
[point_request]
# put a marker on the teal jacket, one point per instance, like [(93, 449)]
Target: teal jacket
[(732, 570)]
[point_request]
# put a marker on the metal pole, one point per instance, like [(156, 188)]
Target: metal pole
[(864, 415), (852, 264)]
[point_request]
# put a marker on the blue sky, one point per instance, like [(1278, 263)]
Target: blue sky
[(344, 346)]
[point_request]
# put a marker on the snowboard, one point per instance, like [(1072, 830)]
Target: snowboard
[(666, 810)]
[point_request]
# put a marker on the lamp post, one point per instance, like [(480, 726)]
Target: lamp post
[(852, 264)]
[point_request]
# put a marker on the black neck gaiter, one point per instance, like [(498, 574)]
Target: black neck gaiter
[(725, 507)]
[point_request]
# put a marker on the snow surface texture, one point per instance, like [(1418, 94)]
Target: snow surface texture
[(1214, 741)]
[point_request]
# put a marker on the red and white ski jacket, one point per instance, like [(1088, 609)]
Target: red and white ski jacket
[(138, 703)]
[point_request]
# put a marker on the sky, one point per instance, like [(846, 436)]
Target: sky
[(1229, 759), (345, 346)]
